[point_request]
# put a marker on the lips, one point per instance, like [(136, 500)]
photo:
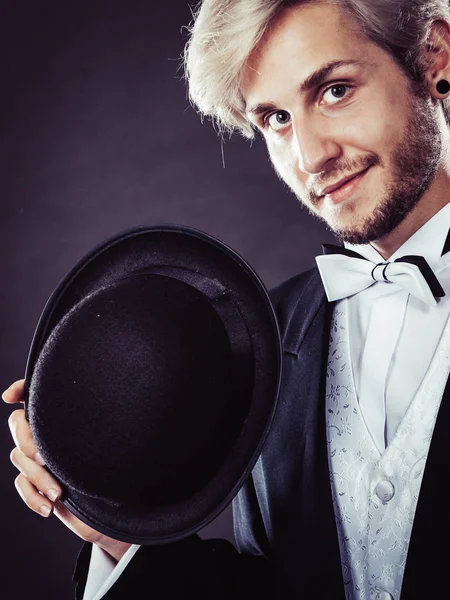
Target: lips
[(342, 182)]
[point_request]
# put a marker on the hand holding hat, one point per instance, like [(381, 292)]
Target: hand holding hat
[(37, 486)]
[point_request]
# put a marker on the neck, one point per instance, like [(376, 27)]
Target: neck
[(435, 198)]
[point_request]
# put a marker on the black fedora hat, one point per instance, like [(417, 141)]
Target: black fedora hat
[(152, 380)]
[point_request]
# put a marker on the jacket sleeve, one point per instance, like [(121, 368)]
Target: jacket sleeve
[(81, 571), (192, 568), (253, 500), (248, 524)]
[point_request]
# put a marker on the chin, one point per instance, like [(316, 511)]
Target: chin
[(365, 233), (355, 226), (353, 236)]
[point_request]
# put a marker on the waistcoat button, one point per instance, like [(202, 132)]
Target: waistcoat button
[(385, 492)]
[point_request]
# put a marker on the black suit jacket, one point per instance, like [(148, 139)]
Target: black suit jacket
[(284, 520)]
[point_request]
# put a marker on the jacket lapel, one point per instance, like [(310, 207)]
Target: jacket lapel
[(427, 562), (302, 312), (296, 455)]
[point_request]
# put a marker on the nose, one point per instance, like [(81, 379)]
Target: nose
[(315, 148)]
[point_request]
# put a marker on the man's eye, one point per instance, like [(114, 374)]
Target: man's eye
[(278, 120), (335, 93)]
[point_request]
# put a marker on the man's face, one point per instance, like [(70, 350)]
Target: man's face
[(356, 145)]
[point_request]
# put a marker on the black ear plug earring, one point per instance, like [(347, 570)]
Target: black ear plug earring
[(443, 86)]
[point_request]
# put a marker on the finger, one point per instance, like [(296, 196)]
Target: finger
[(32, 497), (14, 393), (22, 436), (38, 476)]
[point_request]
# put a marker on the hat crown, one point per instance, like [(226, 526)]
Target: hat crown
[(146, 365)]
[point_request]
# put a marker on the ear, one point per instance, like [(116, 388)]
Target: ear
[(436, 58)]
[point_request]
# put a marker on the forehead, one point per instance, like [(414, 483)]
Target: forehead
[(300, 41)]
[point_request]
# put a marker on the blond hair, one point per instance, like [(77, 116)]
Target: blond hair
[(225, 32)]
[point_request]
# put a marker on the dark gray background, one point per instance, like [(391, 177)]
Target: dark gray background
[(97, 136)]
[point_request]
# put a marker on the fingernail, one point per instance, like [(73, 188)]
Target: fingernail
[(52, 494), (45, 510), (38, 458)]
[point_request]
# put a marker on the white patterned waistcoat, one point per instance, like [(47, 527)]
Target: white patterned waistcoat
[(375, 495)]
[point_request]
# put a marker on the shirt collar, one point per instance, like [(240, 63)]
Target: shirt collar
[(428, 241)]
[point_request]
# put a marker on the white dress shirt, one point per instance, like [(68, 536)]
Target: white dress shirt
[(104, 571)]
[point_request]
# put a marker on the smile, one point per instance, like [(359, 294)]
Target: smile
[(345, 189)]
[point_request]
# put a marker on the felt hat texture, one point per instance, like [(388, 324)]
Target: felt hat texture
[(152, 381)]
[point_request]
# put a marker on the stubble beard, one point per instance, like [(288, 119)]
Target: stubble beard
[(414, 165)]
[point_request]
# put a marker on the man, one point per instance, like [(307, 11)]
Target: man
[(351, 96)]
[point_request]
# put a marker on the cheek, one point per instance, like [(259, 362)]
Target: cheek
[(283, 161), (380, 129)]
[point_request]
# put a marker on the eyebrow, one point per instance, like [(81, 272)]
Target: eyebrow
[(312, 81)]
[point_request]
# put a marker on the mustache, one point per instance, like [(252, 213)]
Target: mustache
[(340, 170)]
